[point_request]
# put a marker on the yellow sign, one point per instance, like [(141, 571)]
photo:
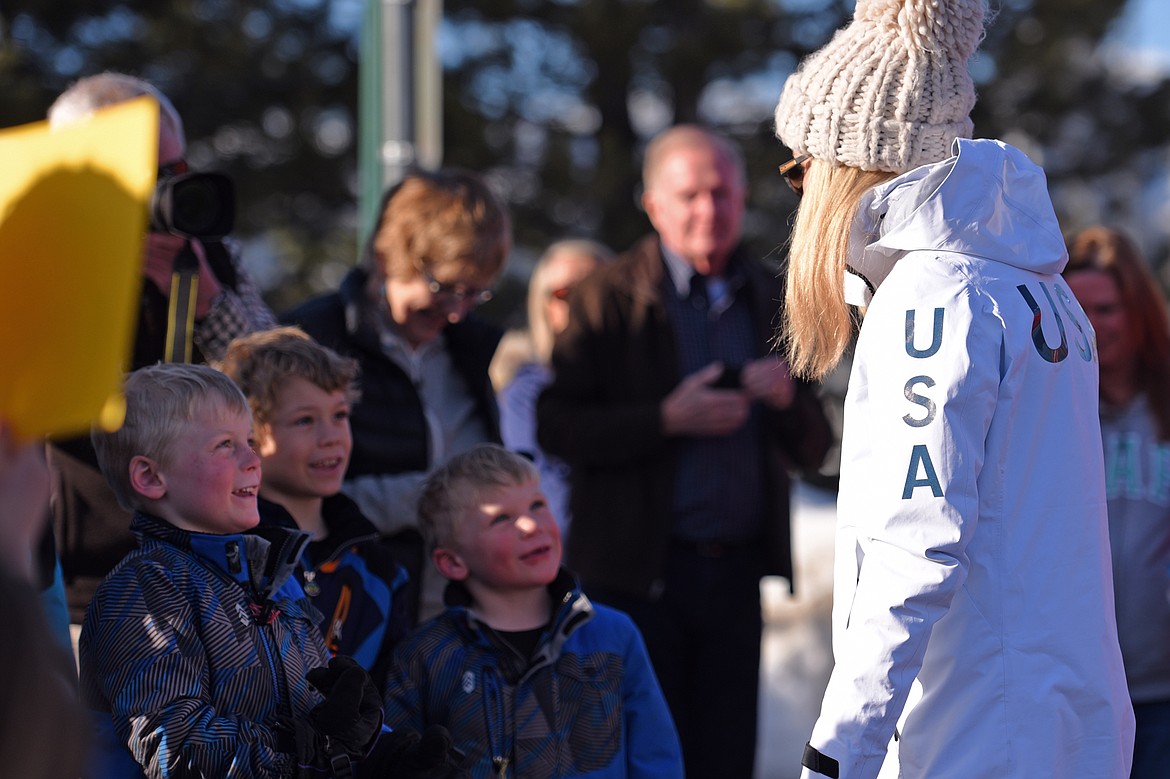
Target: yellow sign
[(73, 216)]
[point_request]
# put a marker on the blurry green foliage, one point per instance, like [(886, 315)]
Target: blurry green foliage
[(554, 100)]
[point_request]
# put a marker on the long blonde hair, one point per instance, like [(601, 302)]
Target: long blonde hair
[(818, 323), (535, 343), (539, 292)]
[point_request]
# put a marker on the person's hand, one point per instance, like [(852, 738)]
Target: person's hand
[(695, 408), (24, 500), (161, 251), (404, 754), (352, 710), (767, 380), (347, 722)]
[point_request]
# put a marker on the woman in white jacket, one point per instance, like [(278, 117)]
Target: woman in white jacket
[(972, 559)]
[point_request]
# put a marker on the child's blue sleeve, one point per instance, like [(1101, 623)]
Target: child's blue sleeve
[(402, 702), (652, 746), (144, 664)]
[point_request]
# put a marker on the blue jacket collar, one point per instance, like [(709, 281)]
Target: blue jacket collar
[(262, 561), (571, 610)]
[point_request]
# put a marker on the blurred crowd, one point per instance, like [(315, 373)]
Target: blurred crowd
[(375, 535)]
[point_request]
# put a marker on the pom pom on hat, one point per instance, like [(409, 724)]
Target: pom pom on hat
[(890, 91)]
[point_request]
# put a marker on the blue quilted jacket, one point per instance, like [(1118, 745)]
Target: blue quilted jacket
[(586, 703), (193, 655), (351, 577)]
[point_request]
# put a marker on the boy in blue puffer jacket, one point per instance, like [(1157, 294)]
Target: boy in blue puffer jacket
[(301, 393), (531, 679), (200, 654)]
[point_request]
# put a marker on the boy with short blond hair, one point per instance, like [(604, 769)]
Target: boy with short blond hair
[(529, 676), (300, 393), (199, 654)]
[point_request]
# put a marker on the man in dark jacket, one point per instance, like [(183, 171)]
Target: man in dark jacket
[(680, 425)]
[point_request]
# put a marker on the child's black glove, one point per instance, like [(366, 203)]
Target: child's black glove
[(343, 727), (404, 754)]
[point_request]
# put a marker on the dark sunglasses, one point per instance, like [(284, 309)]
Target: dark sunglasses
[(793, 173)]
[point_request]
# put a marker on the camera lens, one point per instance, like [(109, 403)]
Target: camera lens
[(196, 205)]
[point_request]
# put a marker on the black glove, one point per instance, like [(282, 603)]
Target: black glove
[(404, 754), (344, 726)]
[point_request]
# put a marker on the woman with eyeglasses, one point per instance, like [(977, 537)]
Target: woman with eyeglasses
[(522, 368), (1127, 309), (407, 315), (973, 621)]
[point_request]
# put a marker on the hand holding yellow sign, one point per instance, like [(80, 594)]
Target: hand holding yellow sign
[(73, 211)]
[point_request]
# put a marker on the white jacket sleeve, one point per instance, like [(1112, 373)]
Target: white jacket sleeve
[(921, 398)]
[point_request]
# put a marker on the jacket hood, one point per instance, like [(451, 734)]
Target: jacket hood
[(988, 201)]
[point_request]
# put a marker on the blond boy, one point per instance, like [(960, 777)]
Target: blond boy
[(195, 649), (530, 677)]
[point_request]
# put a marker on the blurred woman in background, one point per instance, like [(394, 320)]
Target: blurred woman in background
[(1110, 278), (557, 272)]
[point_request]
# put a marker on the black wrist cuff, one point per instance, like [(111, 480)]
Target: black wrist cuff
[(822, 764)]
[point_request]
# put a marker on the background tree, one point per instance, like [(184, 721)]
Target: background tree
[(267, 91), (1087, 112), (554, 101)]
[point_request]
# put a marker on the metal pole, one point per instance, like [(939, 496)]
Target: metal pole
[(369, 120), (398, 107), (400, 97), (428, 83)]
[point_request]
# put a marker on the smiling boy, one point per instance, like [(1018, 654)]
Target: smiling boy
[(195, 649), (220, 474), (530, 677), (300, 394)]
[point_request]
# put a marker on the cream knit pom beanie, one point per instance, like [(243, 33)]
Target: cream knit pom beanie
[(890, 91)]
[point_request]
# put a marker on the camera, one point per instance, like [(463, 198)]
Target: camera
[(194, 205)]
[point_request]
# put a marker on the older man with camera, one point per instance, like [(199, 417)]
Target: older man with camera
[(196, 297)]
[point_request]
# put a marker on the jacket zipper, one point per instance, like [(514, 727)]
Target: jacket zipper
[(501, 754)]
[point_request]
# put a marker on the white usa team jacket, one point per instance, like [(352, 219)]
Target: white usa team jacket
[(972, 556)]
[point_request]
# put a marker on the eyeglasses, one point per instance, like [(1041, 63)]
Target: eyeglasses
[(457, 291), (793, 173)]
